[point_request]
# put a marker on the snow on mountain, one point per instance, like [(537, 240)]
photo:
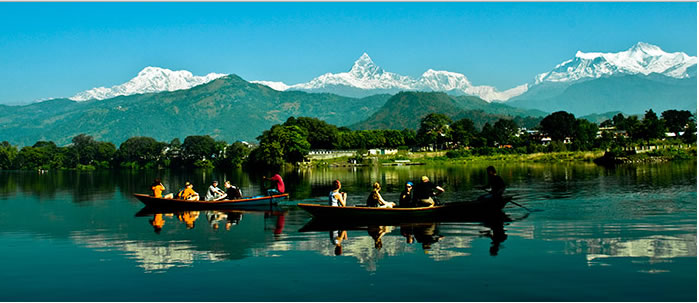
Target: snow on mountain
[(365, 74), (280, 86), (642, 58), (149, 80)]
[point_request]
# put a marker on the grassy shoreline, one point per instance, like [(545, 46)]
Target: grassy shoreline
[(550, 157)]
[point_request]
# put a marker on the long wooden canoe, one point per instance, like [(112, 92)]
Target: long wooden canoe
[(245, 201), (471, 209)]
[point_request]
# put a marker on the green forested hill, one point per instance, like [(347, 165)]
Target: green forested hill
[(405, 109), (631, 94), (228, 108)]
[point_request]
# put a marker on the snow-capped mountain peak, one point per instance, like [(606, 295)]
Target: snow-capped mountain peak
[(364, 67), (366, 75), (149, 80), (642, 58)]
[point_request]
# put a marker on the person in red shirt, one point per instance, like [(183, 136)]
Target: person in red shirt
[(277, 187)]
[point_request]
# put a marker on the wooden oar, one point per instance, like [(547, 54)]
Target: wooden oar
[(512, 201), (522, 206)]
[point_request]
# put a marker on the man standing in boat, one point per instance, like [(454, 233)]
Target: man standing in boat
[(424, 191), (496, 184)]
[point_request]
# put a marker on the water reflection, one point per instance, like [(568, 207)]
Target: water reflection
[(644, 213)]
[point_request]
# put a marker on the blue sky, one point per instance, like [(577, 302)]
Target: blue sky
[(58, 49)]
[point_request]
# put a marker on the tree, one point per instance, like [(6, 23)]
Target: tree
[(690, 131), (651, 127), (83, 149), (320, 134), (619, 122), (559, 125), (607, 123), (197, 148), (584, 135), (463, 131), (487, 136), (42, 154), (280, 144), (434, 130), (236, 154), (141, 150), (676, 120), (504, 131)]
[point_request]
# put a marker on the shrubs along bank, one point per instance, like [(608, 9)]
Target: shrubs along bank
[(290, 142)]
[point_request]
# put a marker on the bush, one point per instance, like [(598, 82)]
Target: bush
[(203, 164), (459, 153), (556, 146), (484, 151), (84, 167)]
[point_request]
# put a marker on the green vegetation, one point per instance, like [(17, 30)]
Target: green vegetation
[(405, 109), (291, 142)]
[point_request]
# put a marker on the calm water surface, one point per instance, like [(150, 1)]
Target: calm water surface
[(597, 234)]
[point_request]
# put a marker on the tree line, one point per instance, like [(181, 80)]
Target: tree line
[(291, 142)]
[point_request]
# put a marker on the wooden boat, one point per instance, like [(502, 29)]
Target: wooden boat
[(187, 204), (454, 210)]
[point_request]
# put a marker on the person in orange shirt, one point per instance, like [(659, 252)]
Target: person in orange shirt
[(189, 194), (158, 189)]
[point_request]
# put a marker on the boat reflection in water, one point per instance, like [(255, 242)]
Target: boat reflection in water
[(215, 218), (425, 234)]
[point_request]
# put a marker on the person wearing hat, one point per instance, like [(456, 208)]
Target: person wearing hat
[(188, 192), (424, 191), (406, 196), (214, 193)]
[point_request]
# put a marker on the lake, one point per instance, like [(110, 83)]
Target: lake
[(595, 234)]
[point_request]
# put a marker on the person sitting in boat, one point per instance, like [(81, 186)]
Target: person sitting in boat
[(496, 184), (337, 198), (188, 192), (406, 196), (375, 199), (214, 193), (232, 192), (158, 189), (422, 196), (277, 185)]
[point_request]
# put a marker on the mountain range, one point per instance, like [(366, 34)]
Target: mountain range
[(149, 80), (367, 78), (631, 81), (227, 108), (668, 76)]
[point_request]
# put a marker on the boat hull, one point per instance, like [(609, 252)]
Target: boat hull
[(455, 210), (244, 202)]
